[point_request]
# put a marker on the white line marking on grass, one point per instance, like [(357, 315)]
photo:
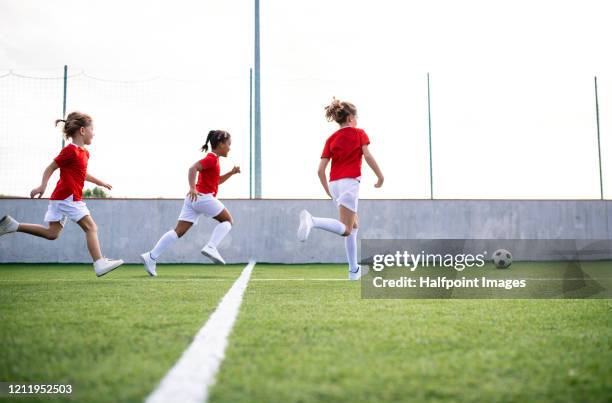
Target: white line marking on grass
[(192, 376)]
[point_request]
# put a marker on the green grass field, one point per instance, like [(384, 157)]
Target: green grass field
[(298, 338)]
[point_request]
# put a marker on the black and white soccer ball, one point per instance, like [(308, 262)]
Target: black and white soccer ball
[(502, 259)]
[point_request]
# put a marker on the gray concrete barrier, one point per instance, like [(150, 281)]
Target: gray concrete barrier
[(266, 229)]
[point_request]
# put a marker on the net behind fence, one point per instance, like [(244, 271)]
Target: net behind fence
[(491, 136)]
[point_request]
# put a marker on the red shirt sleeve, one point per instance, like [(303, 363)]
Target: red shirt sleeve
[(65, 156), (326, 150), (206, 163), (363, 138)]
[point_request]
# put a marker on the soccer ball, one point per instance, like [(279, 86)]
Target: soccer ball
[(502, 259)]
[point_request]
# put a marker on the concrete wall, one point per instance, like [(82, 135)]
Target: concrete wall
[(265, 229)]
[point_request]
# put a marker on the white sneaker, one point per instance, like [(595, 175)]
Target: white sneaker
[(8, 224), (305, 225), (212, 254), (103, 266), (356, 275), (149, 263)]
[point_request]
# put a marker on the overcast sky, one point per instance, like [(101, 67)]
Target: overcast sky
[(512, 97)]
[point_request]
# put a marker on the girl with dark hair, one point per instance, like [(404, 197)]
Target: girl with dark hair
[(66, 200), (201, 200), (345, 149)]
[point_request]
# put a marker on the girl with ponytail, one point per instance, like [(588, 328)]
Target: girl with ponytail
[(66, 200), (345, 149), (201, 200)]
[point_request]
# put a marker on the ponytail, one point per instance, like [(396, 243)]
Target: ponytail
[(339, 111), (73, 123), (205, 146), (215, 137), (60, 124)]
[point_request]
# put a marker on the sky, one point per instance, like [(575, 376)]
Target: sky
[(511, 92)]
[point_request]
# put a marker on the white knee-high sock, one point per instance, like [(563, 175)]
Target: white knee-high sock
[(350, 244), (329, 224), (164, 242), (220, 231)]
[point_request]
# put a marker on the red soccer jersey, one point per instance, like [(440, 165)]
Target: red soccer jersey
[(72, 161), (344, 149), (208, 178)]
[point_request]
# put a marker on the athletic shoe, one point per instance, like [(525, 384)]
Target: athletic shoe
[(149, 263), (104, 266), (212, 254), (8, 224), (305, 225), (354, 275)]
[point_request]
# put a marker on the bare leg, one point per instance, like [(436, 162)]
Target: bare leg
[(348, 218), (182, 227), (224, 216), (91, 235), (50, 233)]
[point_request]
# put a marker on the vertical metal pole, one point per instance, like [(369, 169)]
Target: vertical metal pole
[(257, 117), (251, 133), (64, 103), (430, 148), (598, 141)]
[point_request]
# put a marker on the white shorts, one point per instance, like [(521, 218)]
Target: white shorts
[(206, 204), (61, 210), (345, 192)]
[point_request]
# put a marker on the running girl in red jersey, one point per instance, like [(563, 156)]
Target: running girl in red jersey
[(66, 200), (345, 149), (201, 200)]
